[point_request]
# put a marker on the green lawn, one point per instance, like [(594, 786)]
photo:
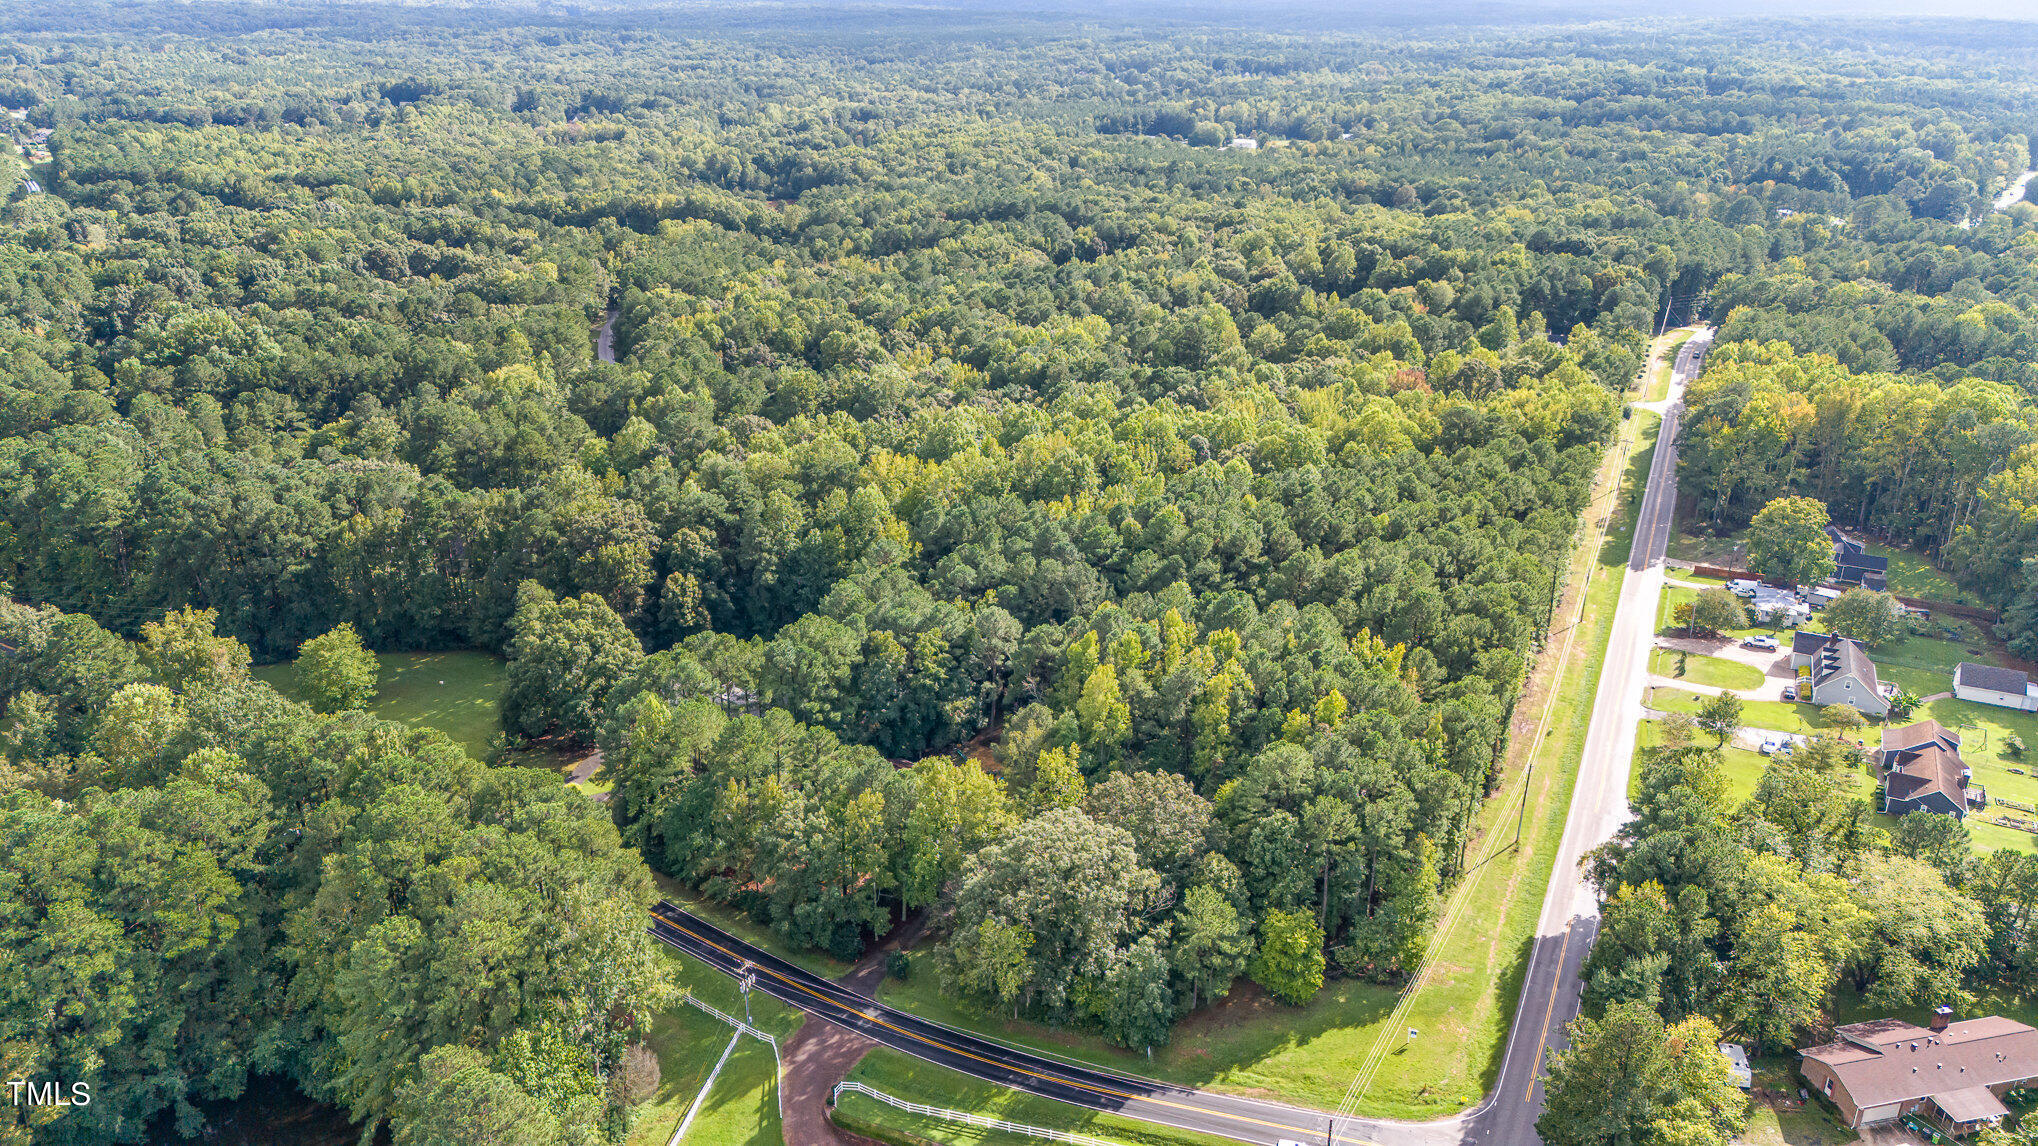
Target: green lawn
[(1944, 644), (1911, 575), (902, 1076), (1675, 595), (1807, 1125), (743, 1107), (1699, 669), (1774, 715), (1982, 729), (1743, 767), (1309, 1055), (454, 692), (1692, 541)]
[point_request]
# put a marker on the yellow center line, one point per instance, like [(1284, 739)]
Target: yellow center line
[(951, 1049), (1542, 1039)]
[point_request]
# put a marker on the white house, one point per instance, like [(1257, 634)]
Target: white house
[(2004, 688)]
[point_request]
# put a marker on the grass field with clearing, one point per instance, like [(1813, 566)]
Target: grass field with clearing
[(455, 692), (1912, 575)]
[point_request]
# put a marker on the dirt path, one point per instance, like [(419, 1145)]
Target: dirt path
[(821, 1054)]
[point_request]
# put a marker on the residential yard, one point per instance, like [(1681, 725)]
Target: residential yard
[(454, 692), (902, 1076), (1742, 766), (1911, 575), (1309, 1055), (1788, 1122), (1700, 669), (1675, 595), (1983, 729), (1775, 715)]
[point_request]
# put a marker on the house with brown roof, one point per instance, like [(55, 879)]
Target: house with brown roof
[(1922, 771), (1952, 1075)]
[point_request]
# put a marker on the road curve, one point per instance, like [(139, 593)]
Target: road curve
[(1245, 1119), (1550, 990)]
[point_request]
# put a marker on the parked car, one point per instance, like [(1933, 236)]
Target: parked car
[(1743, 586), (1790, 692), (1765, 642), (1786, 748), (1769, 747)]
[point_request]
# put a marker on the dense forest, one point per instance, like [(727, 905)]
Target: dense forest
[(1005, 483)]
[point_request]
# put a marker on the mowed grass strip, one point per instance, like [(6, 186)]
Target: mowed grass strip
[(910, 1080), (1701, 669)]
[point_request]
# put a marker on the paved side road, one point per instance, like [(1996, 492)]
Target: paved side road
[(1599, 806)]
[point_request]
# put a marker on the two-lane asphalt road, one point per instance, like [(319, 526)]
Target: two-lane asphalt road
[(1245, 1119), (1599, 804), (1550, 991)]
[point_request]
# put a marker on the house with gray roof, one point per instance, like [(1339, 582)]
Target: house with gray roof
[(1854, 565), (1987, 684), (1837, 671)]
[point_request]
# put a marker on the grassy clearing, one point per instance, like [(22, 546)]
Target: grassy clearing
[(1743, 767), (687, 1042), (902, 1076), (742, 1109), (1912, 575), (1806, 1125), (1983, 730), (1700, 669), (454, 692), (1694, 542), (1309, 1055)]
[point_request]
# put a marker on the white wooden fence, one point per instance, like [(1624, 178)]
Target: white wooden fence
[(981, 1121)]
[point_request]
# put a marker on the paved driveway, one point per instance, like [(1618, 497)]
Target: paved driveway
[(1774, 665)]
